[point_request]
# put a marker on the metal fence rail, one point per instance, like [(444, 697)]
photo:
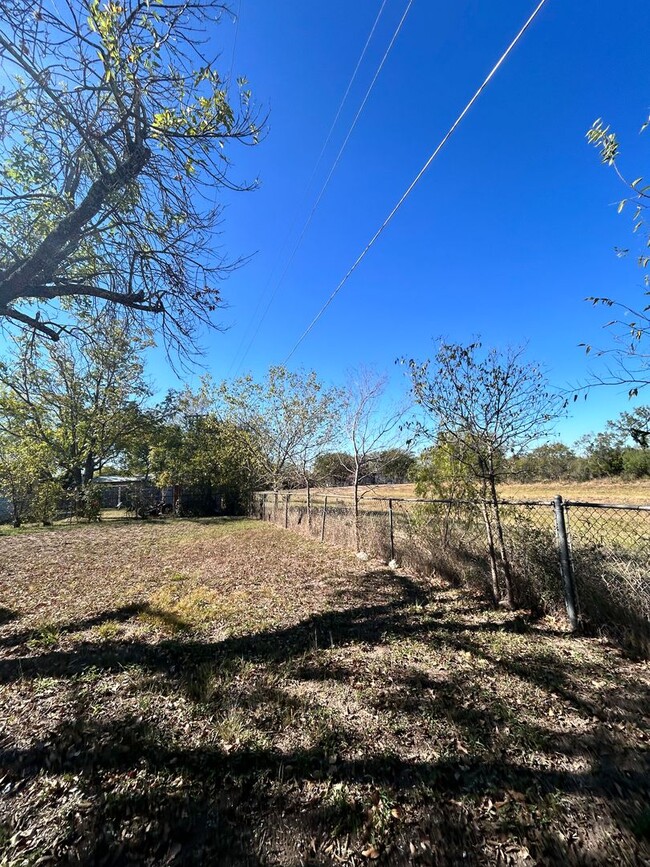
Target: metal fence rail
[(591, 560)]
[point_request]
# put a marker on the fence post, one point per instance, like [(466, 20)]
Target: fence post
[(322, 526), (286, 511), (390, 525), (566, 566), (309, 505)]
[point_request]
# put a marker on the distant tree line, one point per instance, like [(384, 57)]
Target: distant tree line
[(621, 450), (388, 467), (81, 407)]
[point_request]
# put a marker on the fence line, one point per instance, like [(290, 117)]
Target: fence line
[(589, 560)]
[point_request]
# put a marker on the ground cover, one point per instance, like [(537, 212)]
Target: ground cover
[(225, 692)]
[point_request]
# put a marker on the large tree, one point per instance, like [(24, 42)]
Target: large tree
[(330, 469), (114, 126), (205, 455), (549, 461), (82, 399)]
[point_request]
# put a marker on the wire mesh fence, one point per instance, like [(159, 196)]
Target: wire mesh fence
[(590, 559), (610, 549)]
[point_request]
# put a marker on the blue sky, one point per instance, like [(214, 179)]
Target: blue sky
[(512, 226)]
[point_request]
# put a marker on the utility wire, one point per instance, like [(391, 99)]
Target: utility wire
[(307, 188), (335, 163), (347, 92), (416, 180), (234, 42)]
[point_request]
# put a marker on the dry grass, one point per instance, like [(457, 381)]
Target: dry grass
[(228, 693), (597, 491)]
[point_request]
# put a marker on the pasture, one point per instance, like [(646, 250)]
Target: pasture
[(225, 692), (634, 492)]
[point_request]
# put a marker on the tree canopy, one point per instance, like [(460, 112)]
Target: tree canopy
[(115, 125), (77, 403), (204, 454), (289, 417), (628, 358)]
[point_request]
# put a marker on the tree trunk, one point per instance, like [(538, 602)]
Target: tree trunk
[(357, 527), (505, 562), (308, 505), (496, 594), (89, 469), (77, 485)]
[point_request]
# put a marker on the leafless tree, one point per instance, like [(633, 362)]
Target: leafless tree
[(370, 425)]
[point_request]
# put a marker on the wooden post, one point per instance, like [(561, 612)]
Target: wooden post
[(286, 511), (322, 526), (566, 567), (390, 525)]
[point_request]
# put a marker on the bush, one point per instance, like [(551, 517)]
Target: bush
[(636, 463)]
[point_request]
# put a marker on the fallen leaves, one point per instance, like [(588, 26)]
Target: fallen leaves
[(172, 689)]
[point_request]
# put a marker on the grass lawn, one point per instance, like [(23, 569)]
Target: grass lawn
[(227, 693)]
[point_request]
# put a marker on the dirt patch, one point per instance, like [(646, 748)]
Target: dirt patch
[(227, 693)]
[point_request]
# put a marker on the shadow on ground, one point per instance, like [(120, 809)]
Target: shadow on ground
[(341, 738)]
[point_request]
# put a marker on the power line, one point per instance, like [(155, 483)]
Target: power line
[(307, 187), (234, 42), (334, 165), (416, 180), (347, 91)]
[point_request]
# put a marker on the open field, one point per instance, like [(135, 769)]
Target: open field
[(227, 693), (596, 491)]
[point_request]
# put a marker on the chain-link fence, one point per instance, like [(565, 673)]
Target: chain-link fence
[(610, 552), (589, 559)]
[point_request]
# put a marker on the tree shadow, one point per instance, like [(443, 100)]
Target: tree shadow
[(122, 614), (233, 751), (7, 615)]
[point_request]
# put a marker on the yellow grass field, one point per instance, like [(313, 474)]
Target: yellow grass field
[(597, 491)]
